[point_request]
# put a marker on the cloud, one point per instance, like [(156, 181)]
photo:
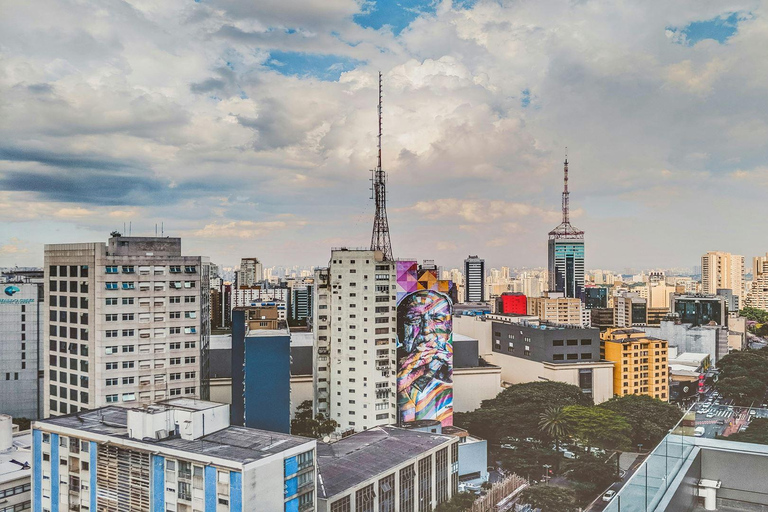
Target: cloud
[(476, 211), (239, 229)]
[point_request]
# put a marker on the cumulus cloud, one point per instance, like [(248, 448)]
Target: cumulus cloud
[(230, 120)]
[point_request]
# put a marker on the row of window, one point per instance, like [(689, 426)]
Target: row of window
[(174, 299), (68, 286), (68, 270), (127, 317), (131, 269), (128, 365), (571, 357), (61, 391), (64, 377), (131, 285)]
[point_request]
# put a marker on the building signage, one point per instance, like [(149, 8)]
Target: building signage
[(16, 301)]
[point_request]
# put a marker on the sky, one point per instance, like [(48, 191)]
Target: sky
[(248, 128)]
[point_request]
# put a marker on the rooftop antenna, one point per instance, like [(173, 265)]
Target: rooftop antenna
[(380, 239), (565, 230), (162, 229), (130, 228)]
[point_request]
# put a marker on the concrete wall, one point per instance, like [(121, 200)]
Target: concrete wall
[(476, 328), (737, 472), (684, 498), (473, 385), (688, 339), (473, 457)]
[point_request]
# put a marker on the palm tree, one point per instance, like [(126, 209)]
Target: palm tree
[(554, 423)]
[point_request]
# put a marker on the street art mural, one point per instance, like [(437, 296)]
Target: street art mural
[(424, 344)]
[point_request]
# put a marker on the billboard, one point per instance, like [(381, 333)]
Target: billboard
[(424, 345)]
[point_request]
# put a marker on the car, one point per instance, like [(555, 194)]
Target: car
[(509, 447), (608, 496), (698, 431), (752, 412), (721, 422), (711, 415), (569, 455)]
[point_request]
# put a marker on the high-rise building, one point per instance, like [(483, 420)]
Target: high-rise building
[(251, 273), (630, 310), (640, 362), (758, 292), (555, 308), (15, 463), (300, 306), (474, 276), (512, 303), (355, 339), (595, 297), (566, 251), (22, 305), (261, 369), (125, 322), (722, 270), (179, 454)]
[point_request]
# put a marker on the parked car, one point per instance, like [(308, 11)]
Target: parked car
[(698, 431), (608, 496), (569, 455)]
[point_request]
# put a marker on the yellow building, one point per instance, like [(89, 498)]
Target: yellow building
[(555, 308), (640, 361)]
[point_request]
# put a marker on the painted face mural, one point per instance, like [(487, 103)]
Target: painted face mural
[(425, 348)]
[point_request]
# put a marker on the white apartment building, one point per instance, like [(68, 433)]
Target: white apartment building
[(125, 322), (355, 356), (180, 455), (15, 467), (248, 296), (722, 270)]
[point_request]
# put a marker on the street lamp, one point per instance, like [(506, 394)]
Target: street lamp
[(546, 473)]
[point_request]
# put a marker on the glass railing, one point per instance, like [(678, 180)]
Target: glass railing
[(650, 481)]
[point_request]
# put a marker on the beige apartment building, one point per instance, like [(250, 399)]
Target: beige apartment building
[(758, 293), (722, 270), (555, 308), (126, 322)]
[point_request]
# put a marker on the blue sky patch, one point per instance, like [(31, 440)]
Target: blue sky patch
[(398, 14), (719, 29), (322, 67), (525, 98)]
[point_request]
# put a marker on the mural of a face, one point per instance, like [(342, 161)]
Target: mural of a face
[(426, 319), (425, 389)]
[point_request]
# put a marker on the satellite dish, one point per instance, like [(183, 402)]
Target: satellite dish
[(326, 439)]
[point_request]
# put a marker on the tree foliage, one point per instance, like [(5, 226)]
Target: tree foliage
[(756, 315), (515, 412), (744, 376), (743, 390), (305, 425), (600, 427), (757, 432), (527, 459), (460, 502), (649, 418), (554, 422), (549, 498)]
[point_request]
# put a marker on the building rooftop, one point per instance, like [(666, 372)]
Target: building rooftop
[(15, 463), (302, 338), (238, 444), (363, 456), (253, 333), (220, 341)]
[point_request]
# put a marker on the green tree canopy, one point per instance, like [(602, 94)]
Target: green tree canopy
[(757, 432), (460, 502), (554, 422), (549, 498), (527, 459), (515, 412), (756, 315), (649, 418), (303, 424), (598, 426), (743, 390)]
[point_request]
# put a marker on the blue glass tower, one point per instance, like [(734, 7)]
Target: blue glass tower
[(566, 252)]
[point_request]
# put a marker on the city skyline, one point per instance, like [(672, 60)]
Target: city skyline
[(252, 128)]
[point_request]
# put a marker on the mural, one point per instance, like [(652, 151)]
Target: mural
[(424, 344)]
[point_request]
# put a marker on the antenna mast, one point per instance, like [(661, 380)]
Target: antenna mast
[(380, 240), (566, 205), (565, 230)]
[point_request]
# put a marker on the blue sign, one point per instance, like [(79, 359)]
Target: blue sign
[(10, 290)]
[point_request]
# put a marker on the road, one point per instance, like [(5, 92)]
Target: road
[(598, 504)]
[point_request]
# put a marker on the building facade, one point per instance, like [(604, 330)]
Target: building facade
[(758, 292), (300, 304), (250, 273), (22, 306), (722, 270), (179, 455), (595, 297), (630, 310), (396, 470), (640, 362), (15, 467), (355, 322), (512, 303), (261, 370), (700, 309), (566, 266), (125, 322), (474, 279), (555, 308)]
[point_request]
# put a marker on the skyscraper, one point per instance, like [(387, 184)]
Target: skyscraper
[(722, 270), (758, 294), (474, 279), (251, 272), (125, 322), (566, 251)]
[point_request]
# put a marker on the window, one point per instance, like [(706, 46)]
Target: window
[(174, 300), (189, 391), (190, 330), (112, 399), (189, 299), (558, 357), (190, 284), (190, 269), (190, 314), (189, 375), (573, 356), (128, 269), (174, 330), (128, 349), (129, 364), (111, 301), (129, 397), (128, 332), (111, 285), (190, 344), (175, 269), (586, 355), (586, 342), (572, 343), (110, 350), (128, 380), (127, 316), (111, 269), (129, 285), (557, 343), (190, 360), (111, 334), (175, 345), (174, 314), (175, 391), (174, 376), (111, 382), (112, 366), (127, 301), (112, 317), (175, 360)]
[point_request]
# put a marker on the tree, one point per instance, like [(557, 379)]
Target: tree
[(755, 314), (549, 498), (597, 426), (527, 459), (554, 422), (303, 424), (743, 390), (757, 432), (649, 418), (460, 502), (514, 413)]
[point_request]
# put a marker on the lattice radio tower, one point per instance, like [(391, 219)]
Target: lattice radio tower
[(565, 229), (380, 240)]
